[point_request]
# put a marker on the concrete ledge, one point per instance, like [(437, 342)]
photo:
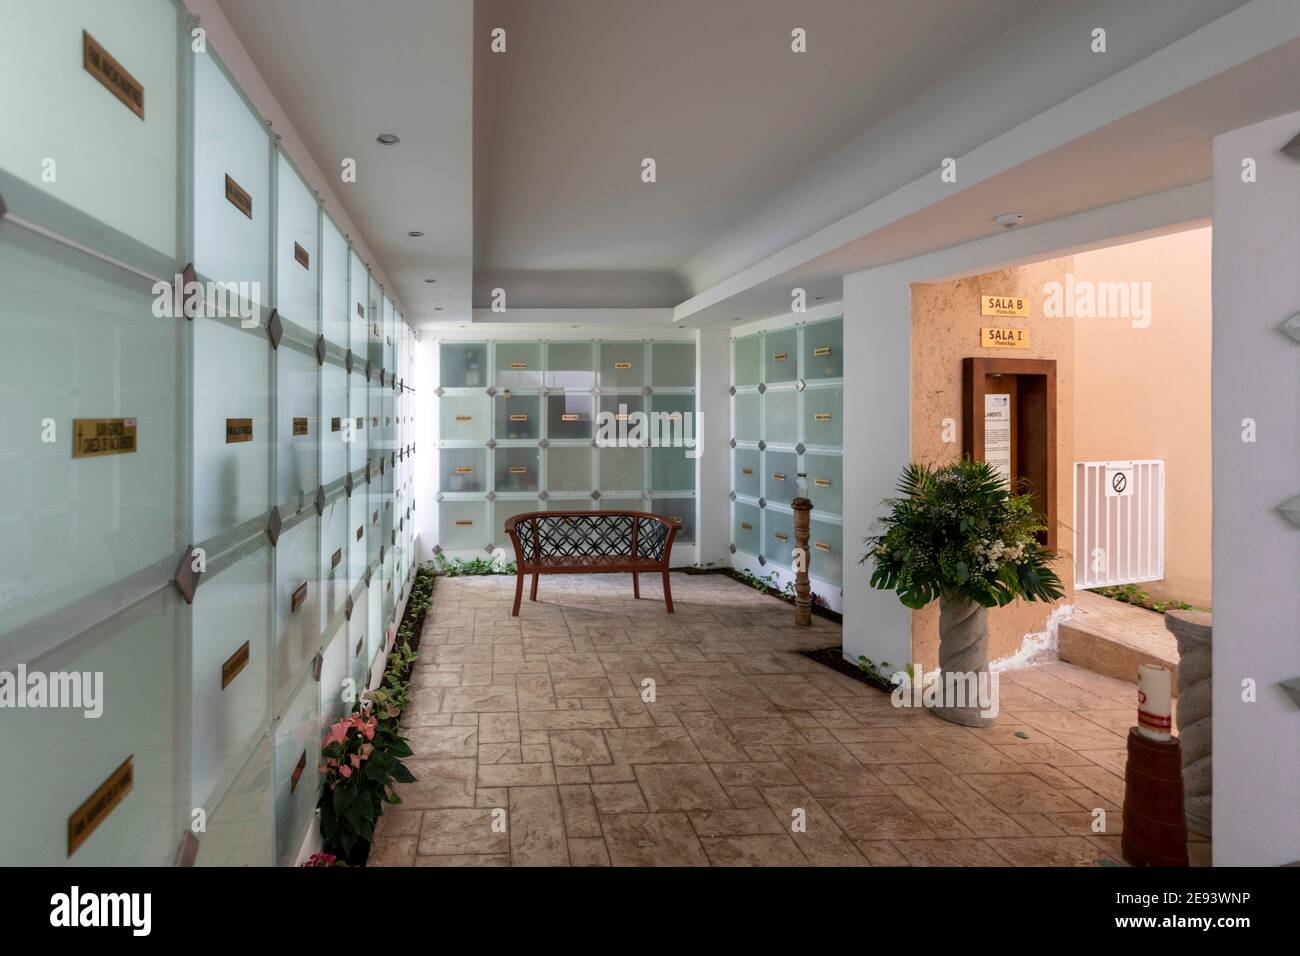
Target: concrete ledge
[(1111, 638)]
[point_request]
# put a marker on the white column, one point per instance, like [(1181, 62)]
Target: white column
[(713, 436), (1256, 375)]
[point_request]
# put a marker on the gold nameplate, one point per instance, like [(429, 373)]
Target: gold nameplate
[(781, 536), (624, 416), (300, 426), (622, 365), (239, 197), (336, 424), (361, 530), (301, 256), (463, 522), (1004, 305), (464, 418), (568, 418), (777, 476), (822, 482), (994, 338), (519, 365), (821, 546), (238, 430), (114, 77), (822, 351), (235, 663), (518, 470), (299, 598), (336, 558), (822, 417), (297, 772), (746, 526), (519, 418), (780, 356), (747, 471), (92, 437), (87, 817), (464, 470)]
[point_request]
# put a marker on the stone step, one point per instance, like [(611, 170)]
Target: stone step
[(1111, 638)]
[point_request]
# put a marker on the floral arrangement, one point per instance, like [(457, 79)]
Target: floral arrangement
[(361, 760), (322, 860), (960, 530)]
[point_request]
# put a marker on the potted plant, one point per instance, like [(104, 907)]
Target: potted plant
[(360, 762), (960, 534)]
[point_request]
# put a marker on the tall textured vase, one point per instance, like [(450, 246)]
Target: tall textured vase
[(1195, 633), (964, 651)]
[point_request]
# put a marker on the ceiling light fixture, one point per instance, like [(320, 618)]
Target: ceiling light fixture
[(437, 308), (1009, 220), (415, 234), (387, 139), (430, 280)]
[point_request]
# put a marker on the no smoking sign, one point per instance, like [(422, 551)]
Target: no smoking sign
[(1119, 479)]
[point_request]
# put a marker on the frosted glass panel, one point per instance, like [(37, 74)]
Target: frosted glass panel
[(517, 417), (747, 477), (463, 524), (745, 528), (674, 363), (80, 343), (358, 640), (780, 361), (503, 510), (825, 482), (517, 469), (672, 423), (239, 830), (823, 344), (518, 365), (230, 397), (569, 415), (464, 417), (333, 572), (622, 411), (621, 469), (825, 560), (334, 668), (464, 364), (55, 758), (570, 365), (113, 164), (779, 474), (823, 421), (781, 416), (622, 365), (569, 469), (358, 304), (232, 184), (300, 428), (297, 605), (568, 504), (463, 469), (297, 745), (622, 504), (358, 438), (297, 252), (358, 518), (683, 511), (748, 360), (230, 609), (746, 412), (334, 284), (335, 451), (778, 536)]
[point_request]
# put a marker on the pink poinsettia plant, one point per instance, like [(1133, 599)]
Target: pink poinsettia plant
[(323, 859), (361, 760)]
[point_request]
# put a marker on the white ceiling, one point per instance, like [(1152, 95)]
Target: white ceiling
[(346, 71)]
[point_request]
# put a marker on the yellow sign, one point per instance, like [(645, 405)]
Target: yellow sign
[(1004, 305), (92, 437), (99, 805), (992, 338)]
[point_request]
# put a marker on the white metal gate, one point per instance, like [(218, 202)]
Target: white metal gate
[(1119, 522)]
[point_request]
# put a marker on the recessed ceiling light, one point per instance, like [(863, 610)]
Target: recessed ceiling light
[(387, 139), (1009, 220), (437, 308), (430, 280), (415, 233)]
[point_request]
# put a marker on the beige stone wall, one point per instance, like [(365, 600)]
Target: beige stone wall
[(1145, 392), (946, 324)]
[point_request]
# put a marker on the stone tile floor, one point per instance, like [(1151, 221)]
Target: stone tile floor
[(533, 746)]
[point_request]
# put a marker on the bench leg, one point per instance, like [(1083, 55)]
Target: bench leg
[(532, 594), (519, 592), (668, 593), (636, 585)]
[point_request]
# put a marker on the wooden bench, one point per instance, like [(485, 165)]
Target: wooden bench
[(591, 542)]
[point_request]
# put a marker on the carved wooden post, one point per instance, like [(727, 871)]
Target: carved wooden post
[(802, 508)]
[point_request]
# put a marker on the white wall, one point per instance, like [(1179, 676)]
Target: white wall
[(1256, 374), (713, 467)]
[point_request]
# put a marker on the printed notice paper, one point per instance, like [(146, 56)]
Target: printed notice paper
[(997, 434)]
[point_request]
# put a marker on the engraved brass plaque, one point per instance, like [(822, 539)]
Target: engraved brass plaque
[(778, 476), (299, 598), (300, 426), (518, 469), (464, 470), (235, 663), (519, 365), (822, 482), (336, 424), (780, 356), (464, 418), (747, 526), (568, 417), (622, 365), (822, 351), (238, 430), (1012, 305), (519, 418), (821, 546), (92, 437), (239, 197), (100, 64), (297, 772), (301, 256), (822, 417), (463, 522), (747, 471), (87, 817), (781, 536)]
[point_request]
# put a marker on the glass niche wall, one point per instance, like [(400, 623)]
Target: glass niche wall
[(786, 418), (210, 480), (532, 426)]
